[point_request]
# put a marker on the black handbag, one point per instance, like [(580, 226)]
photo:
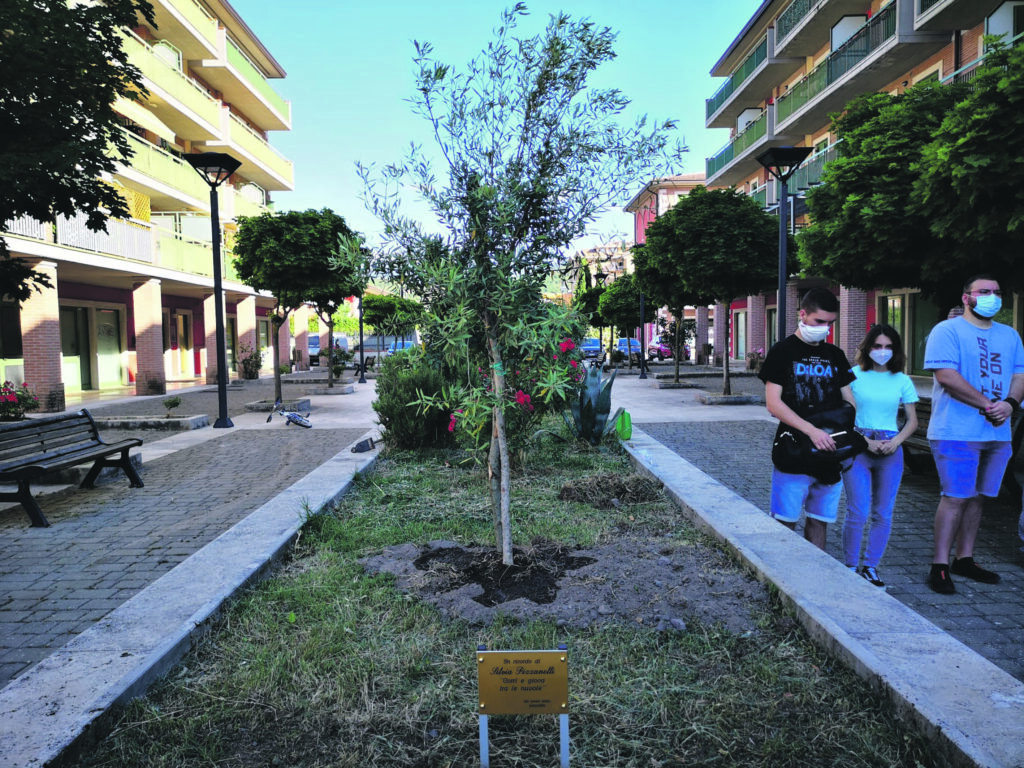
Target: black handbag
[(793, 451)]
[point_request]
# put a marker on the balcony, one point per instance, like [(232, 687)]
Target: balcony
[(881, 50), (736, 162), (809, 174), (183, 104), (749, 84), (243, 85), (184, 23), (195, 257), (167, 180), (125, 239), (947, 15), (805, 25), (26, 226), (262, 164)]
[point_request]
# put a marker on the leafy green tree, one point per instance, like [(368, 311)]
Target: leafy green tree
[(970, 190), (864, 231), (391, 315), (661, 278), (724, 246), (532, 155), (62, 65), (619, 305), (292, 256)]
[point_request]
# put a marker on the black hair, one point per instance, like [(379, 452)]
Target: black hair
[(819, 298), (899, 357), (975, 278)]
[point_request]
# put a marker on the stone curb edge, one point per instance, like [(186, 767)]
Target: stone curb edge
[(970, 708)]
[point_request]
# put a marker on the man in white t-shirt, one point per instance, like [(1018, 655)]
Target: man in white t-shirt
[(979, 382)]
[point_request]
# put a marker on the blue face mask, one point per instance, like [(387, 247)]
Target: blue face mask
[(988, 306)]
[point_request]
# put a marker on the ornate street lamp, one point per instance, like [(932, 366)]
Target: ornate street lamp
[(215, 168), (782, 162)]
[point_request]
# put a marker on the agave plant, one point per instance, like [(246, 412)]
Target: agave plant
[(591, 408)]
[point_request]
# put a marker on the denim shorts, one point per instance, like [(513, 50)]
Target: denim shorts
[(970, 468), (796, 494)]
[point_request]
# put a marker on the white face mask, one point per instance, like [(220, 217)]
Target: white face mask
[(988, 306), (813, 334), (880, 356)]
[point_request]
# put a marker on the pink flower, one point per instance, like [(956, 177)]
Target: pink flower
[(566, 345), (573, 363), (451, 423), (524, 400), (554, 357)]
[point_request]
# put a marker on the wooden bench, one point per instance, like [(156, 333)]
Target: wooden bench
[(919, 442), (36, 447), (366, 365)]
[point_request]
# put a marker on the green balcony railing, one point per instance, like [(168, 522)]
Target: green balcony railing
[(792, 16), (255, 78), (184, 255), (862, 44), (809, 174), (761, 196), (242, 135), (745, 70), (164, 167), (204, 24), (927, 5), (171, 80), (750, 135)]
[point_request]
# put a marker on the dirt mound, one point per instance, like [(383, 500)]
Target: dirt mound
[(607, 491)]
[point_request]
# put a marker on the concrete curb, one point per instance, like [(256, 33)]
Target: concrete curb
[(64, 702), (969, 707)]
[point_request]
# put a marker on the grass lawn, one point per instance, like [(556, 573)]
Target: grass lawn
[(323, 665)]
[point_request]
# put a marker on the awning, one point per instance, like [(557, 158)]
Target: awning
[(137, 113)]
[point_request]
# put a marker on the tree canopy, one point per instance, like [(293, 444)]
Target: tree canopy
[(864, 231), (62, 65), (619, 304)]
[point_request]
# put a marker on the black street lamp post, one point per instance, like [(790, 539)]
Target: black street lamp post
[(362, 348), (643, 335), (782, 163), (215, 168)]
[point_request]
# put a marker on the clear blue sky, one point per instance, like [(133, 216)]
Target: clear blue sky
[(350, 73)]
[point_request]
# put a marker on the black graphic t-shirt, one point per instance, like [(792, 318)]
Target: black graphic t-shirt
[(811, 376)]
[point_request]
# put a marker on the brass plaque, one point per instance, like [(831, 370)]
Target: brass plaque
[(523, 682)]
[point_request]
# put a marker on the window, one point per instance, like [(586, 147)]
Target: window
[(10, 332)]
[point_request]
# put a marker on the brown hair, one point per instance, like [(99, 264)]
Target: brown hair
[(899, 357)]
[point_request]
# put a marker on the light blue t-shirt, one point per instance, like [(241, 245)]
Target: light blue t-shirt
[(987, 358), (879, 396)]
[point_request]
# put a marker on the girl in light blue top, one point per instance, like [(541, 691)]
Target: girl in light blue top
[(873, 479)]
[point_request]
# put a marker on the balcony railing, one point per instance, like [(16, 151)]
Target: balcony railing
[(926, 5), (174, 251), (745, 70), (246, 138), (164, 167), (26, 227), (862, 44), (205, 24), (809, 174), (173, 81), (255, 78), (750, 135), (122, 238), (790, 18)]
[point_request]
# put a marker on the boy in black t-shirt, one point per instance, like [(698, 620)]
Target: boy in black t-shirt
[(804, 372)]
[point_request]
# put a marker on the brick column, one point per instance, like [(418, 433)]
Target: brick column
[(302, 315), (853, 319), (150, 378), (245, 321), (721, 326), (757, 336), (210, 338), (793, 296), (702, 335), (40, 341)]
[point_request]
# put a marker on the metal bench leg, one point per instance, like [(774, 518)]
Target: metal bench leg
[(133, 477), (35, 514)]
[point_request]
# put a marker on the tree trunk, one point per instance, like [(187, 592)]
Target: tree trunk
[(494, 480), (677, 351), (726, 388), (276, 321), (330, 351), (504, 511)]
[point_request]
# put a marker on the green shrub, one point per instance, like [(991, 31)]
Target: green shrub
[(399, 382)]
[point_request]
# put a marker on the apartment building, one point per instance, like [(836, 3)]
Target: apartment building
[(132, 309), (791, 65)]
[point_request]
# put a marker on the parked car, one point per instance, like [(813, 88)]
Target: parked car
[(658, 351), (627, 346), (314, 349), (399, 346), (591, 348)]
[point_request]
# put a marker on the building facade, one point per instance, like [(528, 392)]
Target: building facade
[(133, 308), (793, 64)]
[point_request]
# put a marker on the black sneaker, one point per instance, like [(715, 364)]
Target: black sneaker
[(965, 566), (939, 579), (869, 573)]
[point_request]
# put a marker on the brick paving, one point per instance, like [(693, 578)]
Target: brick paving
[(106, 545), (987, 618)]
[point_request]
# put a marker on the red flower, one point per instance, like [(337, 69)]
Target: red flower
[(566, 345), (524, 400)]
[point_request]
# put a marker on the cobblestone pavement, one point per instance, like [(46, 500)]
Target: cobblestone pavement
[(107, 544), (987, 618)]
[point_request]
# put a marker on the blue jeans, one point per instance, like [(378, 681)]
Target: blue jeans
[(871, 484)]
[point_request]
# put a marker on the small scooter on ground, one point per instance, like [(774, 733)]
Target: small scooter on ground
[(291, 417)]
